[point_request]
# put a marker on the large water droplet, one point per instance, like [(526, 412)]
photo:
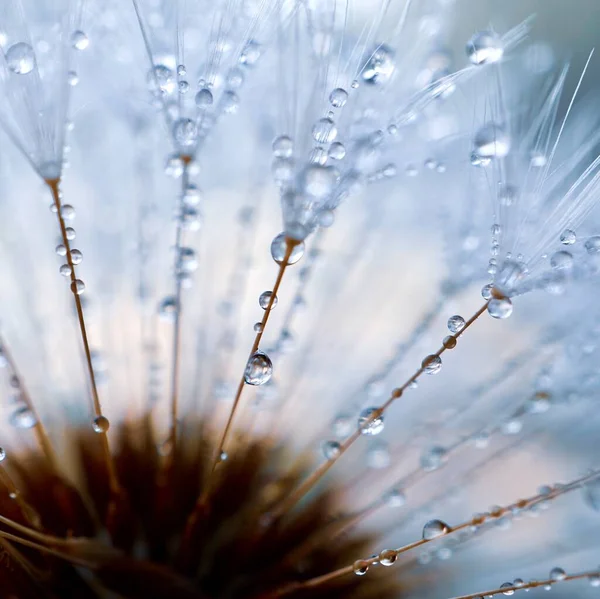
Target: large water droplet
[(387, 557), (203, 98), (259, 369), (23, 418), (265, 298), (370, 421), (279, 248), (557, 574), (79, 40), (434, 529), (338, 97), (379, 66), (568, 237), (431, 364), (485, 47), (500, 308), (360, 567), (324, 131), (20, 58), (592, 245), (562, 260), (283, 146), (100, 424)]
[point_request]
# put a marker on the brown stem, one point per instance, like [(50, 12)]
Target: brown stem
[(115, 487), (293, 498)]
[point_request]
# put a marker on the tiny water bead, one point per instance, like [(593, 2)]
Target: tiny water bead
[(485, 47), (456, 323), (592, 245), (77, 286), (161, 80), (331, 449), (72, 78), (79, 40), (76, 256), (204, 98), (557, 574), (100, 424), (168, 308), (324, 131), (568, 237), (379, 67), (395, 498), (2, 454), (431, 364), (279, 250), (360, 567), (283, 146), (370, 421), (387, 557), (434, 458), (250, 53), (561, 260), (338, 97), (507, 585), (500, 308), (185, 133), (259, 369), (223, 456), (258, 327), (265, 298), (434, 529), (337, 151), (20, 58), (491, 141)]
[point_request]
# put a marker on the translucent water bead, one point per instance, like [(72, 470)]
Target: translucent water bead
[(259, 369), (77, 286), (279, 249), (360, 567), (387, 557), (283, 146), (160, 79), (380, 66), (506, 585), (491, 141), (22, 418), (338, 97), (456, 323), (431, 364), (568, 237), (557, 574), (433, 458), (100, 424), (561, 260), (370, 422), (331, 449), (203, 98), (485, 47), (592, 245), (20, 58), (168, 308), (395, 498), (265, 298), (500, 308), (434, 529), (79, 40), (324, 131), (185, 133), (2, 454)]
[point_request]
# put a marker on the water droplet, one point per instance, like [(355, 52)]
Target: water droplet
[(203, 98), (22, 418), (431, 364), (324, 131), (506, 585), (378, 456), (482, 440), (168, 308), (174, 166), (331, 449), (230, 102), (449, 342), (337, 151), (61, 250), (65, 270), (79, 40), (456, 323), (2, 454), (568, 237), (395, 498), (379, 67), (185, 133), (434, 458), (235, 78), (360, 567), (259, 369), (491, 141), (387, 557), (500, 308), (160, 79), (486, 291), (67, 212), (338, 97), (485, 47), (72, 78), (100, 424), (512, 427), (279, 248), (223, 456), (538, 404), (77, 286), (183, 87), (319, 181), (434, 529), (342, 426), (592, 244), (265, 298), (518, 582), (250, 54), (20, 58), (557, 574), (283, 146), (561, 260), (594, 580), (76, 256), (258, 327), (370, 421)]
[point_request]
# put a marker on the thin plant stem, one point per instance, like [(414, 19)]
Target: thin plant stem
[(113, 480), (295, 496), (39, 429), (475, 521)]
